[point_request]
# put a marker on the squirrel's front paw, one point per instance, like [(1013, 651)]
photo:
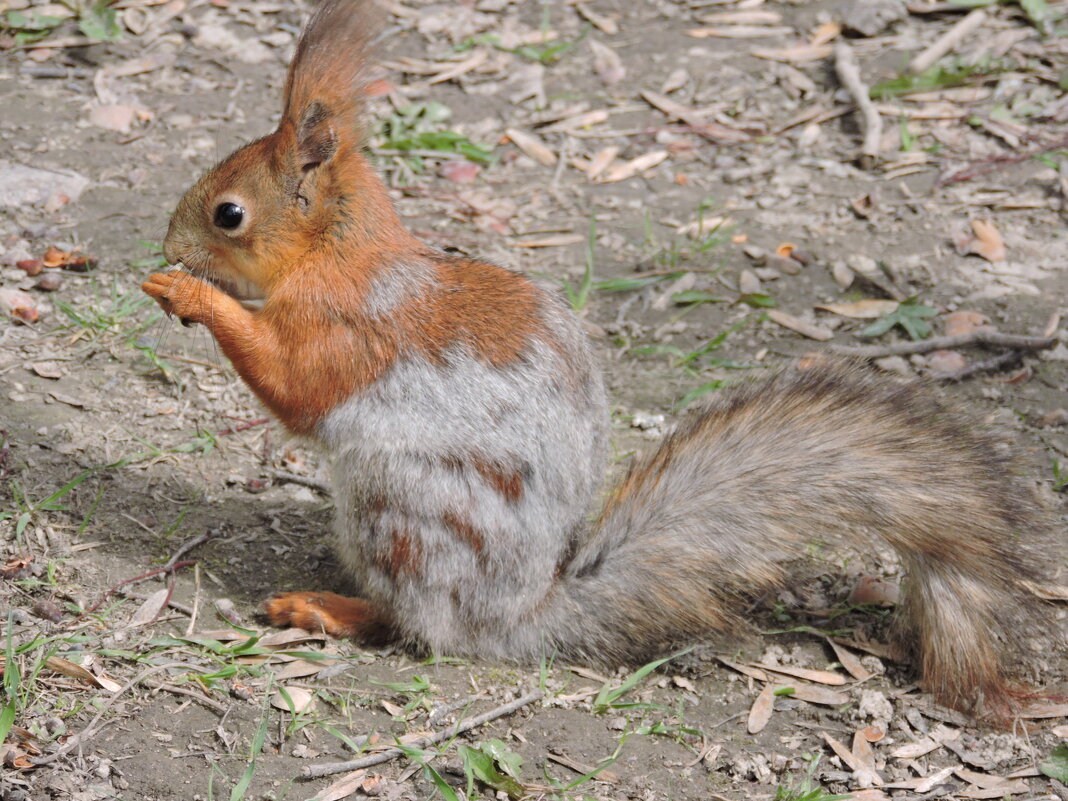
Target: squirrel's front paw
[(181, 294)]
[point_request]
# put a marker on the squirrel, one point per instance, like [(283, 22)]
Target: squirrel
[(466, 422)]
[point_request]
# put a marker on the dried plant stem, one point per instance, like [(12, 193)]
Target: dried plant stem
[(330, 768), (845, 65), (948, 41), (978, 337)]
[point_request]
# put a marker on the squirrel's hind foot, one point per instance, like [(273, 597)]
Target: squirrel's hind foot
[(330, 613)]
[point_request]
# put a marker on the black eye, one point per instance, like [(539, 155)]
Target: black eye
[(228, 216)]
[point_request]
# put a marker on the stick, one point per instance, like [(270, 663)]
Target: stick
[(108, 593), (330, 768), (979, 336), (849, 74), (79, 739), (949, 40), (198, 697), (304, 481)]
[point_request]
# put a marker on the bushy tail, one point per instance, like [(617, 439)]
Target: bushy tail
[(828, 452)]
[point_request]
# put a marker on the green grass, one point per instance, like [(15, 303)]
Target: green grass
[(420, 127)]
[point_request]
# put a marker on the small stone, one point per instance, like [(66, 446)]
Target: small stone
[(895, 365), (870, 17)]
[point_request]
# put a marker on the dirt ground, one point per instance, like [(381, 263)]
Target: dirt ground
[(698, 184)]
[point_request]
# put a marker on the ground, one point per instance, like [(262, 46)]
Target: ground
[(686, 179)]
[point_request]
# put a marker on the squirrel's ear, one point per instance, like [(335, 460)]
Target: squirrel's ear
[(326, 85), (316, 137)]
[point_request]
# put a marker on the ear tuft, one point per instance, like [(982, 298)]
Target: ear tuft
[(316, 138)]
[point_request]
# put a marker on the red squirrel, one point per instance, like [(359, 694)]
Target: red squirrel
[(466, 421)]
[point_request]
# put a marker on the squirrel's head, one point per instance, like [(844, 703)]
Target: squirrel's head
[(247, 222)]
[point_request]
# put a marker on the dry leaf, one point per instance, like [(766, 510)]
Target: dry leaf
[(629, 169), (862, 309), (738, 32), (963, 321), (114, 117), (987, 242), (849, 661), (287, 637), (299, 668), (814, 694), (459, 172), (922, 784), (826, 32), (150, 608), (342, 788), (864, 775), (746, 670), (550, 241), (599, 21), (946, 362), (742, 18), (760, 711), (601, 161), (799, 54), (19, 305), (393, 709), (1039, 711), (800, 326), (871, 590), (532, 146), (607, 64), (301, 698), (916, 749), (818, 676), (51, 370)]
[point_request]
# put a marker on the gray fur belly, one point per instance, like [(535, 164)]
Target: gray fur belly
[(457, 485)]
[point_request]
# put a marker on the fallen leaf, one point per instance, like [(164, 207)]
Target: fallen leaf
[(848, 660), (30, 266), (113, 116), (814, 694), (864, 775), (551, 241), (738, 32), (48, 369), (761, 710), (915, 750), (800, 326), (601, 161), (150, 608), (987, 242), (342, 788), (871, 590), (607, 64), (301, 698), (799, 54), (628, 169), (869, 309), (963, 321), (532, 146), (459, 172), (819, 676), (946, 362), (19, 305)]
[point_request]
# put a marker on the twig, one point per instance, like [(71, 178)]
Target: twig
[(196, 602), (245, 426), (293, 478), (986, 366), (189, 545), (987, 166), (109, 592), (198, 697), (79, 739), (949, 40), (849, 74), (330, 768), (979, 336)]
